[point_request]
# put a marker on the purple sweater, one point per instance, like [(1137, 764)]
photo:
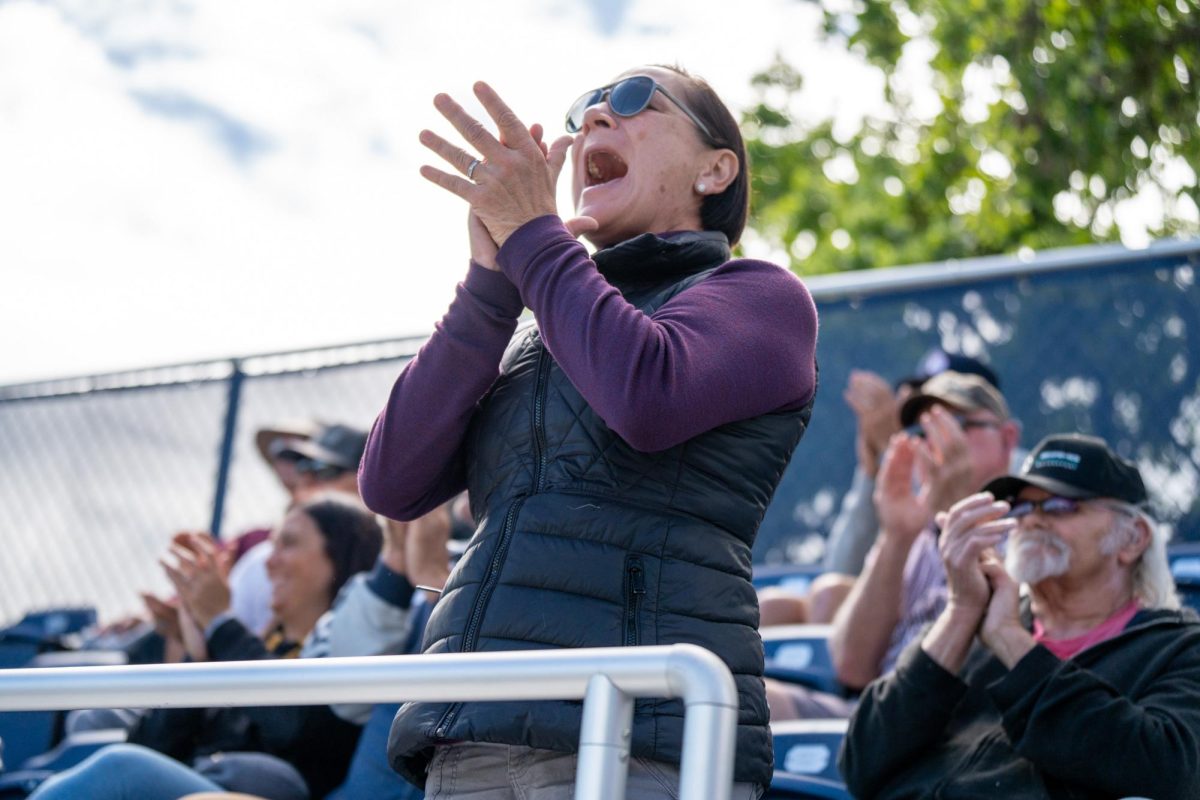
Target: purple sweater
[(740, 343)]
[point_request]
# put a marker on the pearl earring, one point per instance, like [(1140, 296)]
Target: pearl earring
[(700, 188)]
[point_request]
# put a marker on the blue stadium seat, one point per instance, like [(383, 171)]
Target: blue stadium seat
[(793, 577), (800, 654), (806, 759), (38, 640)]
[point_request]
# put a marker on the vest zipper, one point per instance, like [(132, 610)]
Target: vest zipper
[(539, 478), (635, 590), (485, 594), (539, 420)]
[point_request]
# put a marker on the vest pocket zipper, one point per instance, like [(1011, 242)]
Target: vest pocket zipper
[(635, 590)]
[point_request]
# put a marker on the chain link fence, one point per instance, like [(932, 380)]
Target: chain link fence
[(96, 473)]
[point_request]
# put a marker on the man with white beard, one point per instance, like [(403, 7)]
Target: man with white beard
[(1087, 687)]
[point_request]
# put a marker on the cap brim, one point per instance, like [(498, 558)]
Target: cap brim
[(264, 437), (920, 403), (1011, 485)]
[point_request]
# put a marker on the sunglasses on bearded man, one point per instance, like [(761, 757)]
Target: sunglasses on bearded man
[(1058, 507)]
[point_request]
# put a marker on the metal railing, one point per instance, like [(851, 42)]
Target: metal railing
[(608, 679)]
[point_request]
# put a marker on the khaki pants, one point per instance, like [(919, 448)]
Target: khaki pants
[(480, 771)]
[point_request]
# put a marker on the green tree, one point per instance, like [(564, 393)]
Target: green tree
[(1053, 112)]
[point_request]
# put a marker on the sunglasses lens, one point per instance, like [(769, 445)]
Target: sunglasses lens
[(1051, 507), (632, 95), (1019, 510), (1059, 506), (580, 107)]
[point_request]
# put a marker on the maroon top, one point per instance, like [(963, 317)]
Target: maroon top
[(740, 343)]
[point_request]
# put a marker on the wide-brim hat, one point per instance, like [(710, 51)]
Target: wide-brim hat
[(294, 429), (1076, 466)]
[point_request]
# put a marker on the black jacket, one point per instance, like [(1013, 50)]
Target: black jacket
[(584, 541), (1120, 719), (311, 738)]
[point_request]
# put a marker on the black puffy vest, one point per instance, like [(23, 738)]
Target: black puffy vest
[(583, 541)]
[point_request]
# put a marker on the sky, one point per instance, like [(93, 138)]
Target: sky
[(182, 181)]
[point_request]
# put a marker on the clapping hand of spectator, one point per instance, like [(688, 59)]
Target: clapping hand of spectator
[(874, 405), (944, 460), (200, 575), (417, 549), (1002, 631), (903, 514), (970, 532), (425, 549), (164, 615)]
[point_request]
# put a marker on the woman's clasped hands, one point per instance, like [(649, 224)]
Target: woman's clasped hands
[(511, 182)]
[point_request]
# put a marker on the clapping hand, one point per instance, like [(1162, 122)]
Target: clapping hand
[(200, 576), (944, 460), (874, 405), (903, 514), (514, 178), (970, 532)]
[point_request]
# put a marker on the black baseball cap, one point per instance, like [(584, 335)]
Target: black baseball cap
[(1076, 466), (937, 361), (334, 445)]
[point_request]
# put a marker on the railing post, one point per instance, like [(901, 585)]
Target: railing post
[(604, 741), (232, 403), (709, 723)]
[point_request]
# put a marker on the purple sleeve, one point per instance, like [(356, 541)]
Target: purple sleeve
[(413, 459), (740, 343)]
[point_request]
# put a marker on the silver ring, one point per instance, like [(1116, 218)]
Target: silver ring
[(475, 162)]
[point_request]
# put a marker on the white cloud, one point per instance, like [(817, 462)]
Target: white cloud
[(182, 181)]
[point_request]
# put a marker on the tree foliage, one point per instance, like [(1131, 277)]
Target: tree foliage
[(1053, 115)]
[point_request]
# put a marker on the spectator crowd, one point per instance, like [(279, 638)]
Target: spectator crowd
[(1000, 624)]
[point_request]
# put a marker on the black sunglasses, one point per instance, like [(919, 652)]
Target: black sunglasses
[(1062, 507), (319, 469), (627, 97), (1050, 506)]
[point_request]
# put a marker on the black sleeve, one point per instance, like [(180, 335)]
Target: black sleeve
[(231, 641), (1077, 727), (175, 732), (898, 717), (281, 729)]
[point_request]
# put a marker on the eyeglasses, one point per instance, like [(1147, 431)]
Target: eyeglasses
[(1062, 507), (627, 97), (1050, 506), (963, 422)]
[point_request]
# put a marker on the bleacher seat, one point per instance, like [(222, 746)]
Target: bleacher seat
[(806, 759), (800, 654), (793, 577)]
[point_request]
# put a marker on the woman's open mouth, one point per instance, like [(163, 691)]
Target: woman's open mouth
[(604, 166)]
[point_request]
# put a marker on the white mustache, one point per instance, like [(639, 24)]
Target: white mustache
[(1034, 554), (1039, 536)]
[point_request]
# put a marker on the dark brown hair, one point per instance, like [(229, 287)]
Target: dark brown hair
[(352, 535), (725, 212)]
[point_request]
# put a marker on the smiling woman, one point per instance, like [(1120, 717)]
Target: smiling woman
[(621, 453), (288, 753)]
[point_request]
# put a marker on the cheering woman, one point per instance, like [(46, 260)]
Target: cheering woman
[(619, 452)]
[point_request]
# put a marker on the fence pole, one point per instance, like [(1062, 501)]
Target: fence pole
[(604, 741), (225, 461)]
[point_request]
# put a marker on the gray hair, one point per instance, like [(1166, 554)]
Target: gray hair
[(1153, 583)]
